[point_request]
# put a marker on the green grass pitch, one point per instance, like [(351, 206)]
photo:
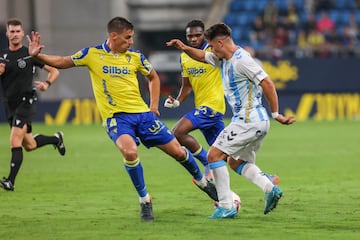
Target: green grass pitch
[(87, 194)]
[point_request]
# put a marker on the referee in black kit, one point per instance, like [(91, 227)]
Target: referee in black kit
[(19, 99)]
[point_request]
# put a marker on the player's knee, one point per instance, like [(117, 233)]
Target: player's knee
[(130, 154), (29, 147), (211, 157), (179, 135), (180, 154)]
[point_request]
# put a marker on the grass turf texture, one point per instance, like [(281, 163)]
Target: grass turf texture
[(87, 194)]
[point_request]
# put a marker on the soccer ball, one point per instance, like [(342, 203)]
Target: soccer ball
[(236, 199)]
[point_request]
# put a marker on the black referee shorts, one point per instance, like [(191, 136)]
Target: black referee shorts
[(20, 114)]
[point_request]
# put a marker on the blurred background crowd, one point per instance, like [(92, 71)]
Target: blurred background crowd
[(297, 28), (291, 37)]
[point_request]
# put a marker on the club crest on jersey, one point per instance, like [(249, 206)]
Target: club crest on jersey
[(128, 58), (21, 63)]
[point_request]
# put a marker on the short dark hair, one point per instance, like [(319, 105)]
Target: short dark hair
[(219, 29), (14, 22), (119, 24), (196, 23)]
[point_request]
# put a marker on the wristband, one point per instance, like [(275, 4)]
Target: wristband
[(168, 104), (176, 104), (274, 115), (48, 82)]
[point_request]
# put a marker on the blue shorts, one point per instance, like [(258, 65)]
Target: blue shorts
[(145, 127), (209, 122)]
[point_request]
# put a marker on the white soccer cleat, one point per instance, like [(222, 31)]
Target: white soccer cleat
[(236, 200)]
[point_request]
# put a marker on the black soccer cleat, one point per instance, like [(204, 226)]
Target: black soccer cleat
[(146, 213), (209, 189), (6, 184), (60, 146)]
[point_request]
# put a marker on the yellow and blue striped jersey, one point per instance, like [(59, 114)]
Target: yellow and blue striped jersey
[(206, 82), (114, 78)]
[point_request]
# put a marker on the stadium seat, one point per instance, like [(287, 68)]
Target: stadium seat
[(335, 15), (235, 6), (230, 19), (351, 5), (249, 5), (345, 17), (303, 16), (260, 5), (357, 17), (340, 4), (242, 19), (299, 4), (281, 5), (237, 34)]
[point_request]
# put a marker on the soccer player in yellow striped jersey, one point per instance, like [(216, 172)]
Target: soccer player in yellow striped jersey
[(205, 82), (128, 120)]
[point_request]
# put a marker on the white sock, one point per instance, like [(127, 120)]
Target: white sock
[(222, 183), (255, 175), (145, 199), (202, 182)]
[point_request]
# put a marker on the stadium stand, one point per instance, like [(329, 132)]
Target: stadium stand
[(276, 25)]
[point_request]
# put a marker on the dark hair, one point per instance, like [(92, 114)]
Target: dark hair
[(195, 23), (14, 22), (118, 25), (219, 29)]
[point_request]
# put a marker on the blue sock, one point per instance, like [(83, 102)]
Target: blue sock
[(217, 164), (135, 171), (201, 154), (190, 164), (240, 167)]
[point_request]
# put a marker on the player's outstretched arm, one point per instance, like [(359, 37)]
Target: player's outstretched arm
[(194, 53), (35, 47), (272, 98)]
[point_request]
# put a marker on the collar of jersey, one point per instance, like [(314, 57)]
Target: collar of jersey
[(204, 46), (106, 47)]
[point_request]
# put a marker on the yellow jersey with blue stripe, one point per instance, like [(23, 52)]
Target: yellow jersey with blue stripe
[(114, 78), (205, 80)]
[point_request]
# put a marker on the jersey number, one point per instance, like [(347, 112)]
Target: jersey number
[(108, 96)]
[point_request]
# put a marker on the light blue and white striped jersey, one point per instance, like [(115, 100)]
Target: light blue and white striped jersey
[(241, 77)]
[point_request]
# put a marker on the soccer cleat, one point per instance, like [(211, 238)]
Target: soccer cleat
[(237, 205), (209, 189), (208, 174), (6, 184), (60, 146), (221, 212), (236, 201), (272, 198), (146, 213), (273, 178)]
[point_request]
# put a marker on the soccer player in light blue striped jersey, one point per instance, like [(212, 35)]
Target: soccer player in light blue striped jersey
[(244, 83)]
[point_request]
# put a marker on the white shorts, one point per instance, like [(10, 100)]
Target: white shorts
[(242, 140)]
